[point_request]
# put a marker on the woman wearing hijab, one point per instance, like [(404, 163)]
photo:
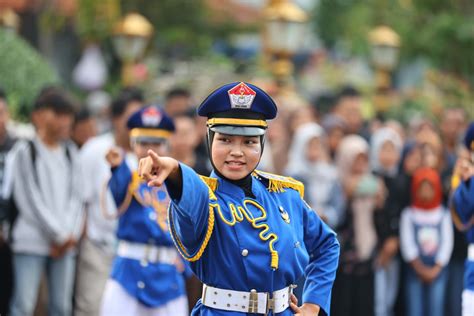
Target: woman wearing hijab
[(354, 287), (309, 162), (426, 243), (385, 151), (248, 234)]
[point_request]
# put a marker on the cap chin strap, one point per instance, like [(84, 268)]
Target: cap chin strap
[(210, 139)]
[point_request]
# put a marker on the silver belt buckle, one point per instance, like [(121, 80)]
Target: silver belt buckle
[(204, 290), (290, 292), (270, 304), (146, 257), (253, 301)]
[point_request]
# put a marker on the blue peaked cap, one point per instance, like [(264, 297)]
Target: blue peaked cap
[(221, 101), (150, 124), (469, 137), (238, 108)]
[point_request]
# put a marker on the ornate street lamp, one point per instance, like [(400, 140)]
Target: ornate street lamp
[(285, 25), (131, 37), (385, 47)]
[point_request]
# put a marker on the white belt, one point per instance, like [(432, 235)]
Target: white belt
[(247, 302), (470, 252), (146, 252)]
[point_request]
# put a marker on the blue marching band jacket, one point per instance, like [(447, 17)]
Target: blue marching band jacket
[(264, 243), (144, 223), (463, 204)]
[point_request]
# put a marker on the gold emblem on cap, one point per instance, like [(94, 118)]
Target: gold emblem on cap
[(241, 96)]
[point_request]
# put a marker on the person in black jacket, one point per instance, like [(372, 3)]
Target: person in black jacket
[(386, 147)]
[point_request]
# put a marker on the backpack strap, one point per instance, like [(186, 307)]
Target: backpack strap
[(33, 155)]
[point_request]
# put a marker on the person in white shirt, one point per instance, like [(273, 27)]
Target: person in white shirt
[(97, 248), (46, 190)]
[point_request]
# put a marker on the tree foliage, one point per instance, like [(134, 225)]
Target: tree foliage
[(183, 28), (440, 30), (23, 72)]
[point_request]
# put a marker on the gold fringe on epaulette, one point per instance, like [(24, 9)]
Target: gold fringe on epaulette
[(212, 184), (275, 185)]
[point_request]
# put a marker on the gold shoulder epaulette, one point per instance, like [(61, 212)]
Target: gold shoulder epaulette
[(278, 183), (455, 181), (212, 184)]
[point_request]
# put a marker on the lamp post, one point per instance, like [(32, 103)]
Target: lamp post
[(385, 46), (130, 40), (285, 25)]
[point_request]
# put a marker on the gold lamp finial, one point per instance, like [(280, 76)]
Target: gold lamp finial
[(134, 24), (384, 35), (9, 19), (285, 10)]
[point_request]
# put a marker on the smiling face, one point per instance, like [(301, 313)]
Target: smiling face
[(235, 157)]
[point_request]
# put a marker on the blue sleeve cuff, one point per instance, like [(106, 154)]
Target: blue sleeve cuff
[(119, 182), (463, 200)]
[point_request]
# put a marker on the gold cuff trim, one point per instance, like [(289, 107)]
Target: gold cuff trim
[(149, 132), (236, 121)]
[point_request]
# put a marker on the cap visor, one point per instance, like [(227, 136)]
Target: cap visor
[(238, 130), (148, 139)]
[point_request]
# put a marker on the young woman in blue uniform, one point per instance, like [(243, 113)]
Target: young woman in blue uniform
[(147, 272), (463, 216), (249, 235)]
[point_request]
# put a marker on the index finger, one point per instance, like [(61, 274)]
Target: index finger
[(155, 158)]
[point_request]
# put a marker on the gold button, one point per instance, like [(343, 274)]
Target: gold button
[(245, 252)]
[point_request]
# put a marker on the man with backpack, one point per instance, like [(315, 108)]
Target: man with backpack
[(47, 195)]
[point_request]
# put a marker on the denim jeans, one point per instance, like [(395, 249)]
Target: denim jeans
[(455, 285), (28, 270), (425, 299), (386, 288)]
